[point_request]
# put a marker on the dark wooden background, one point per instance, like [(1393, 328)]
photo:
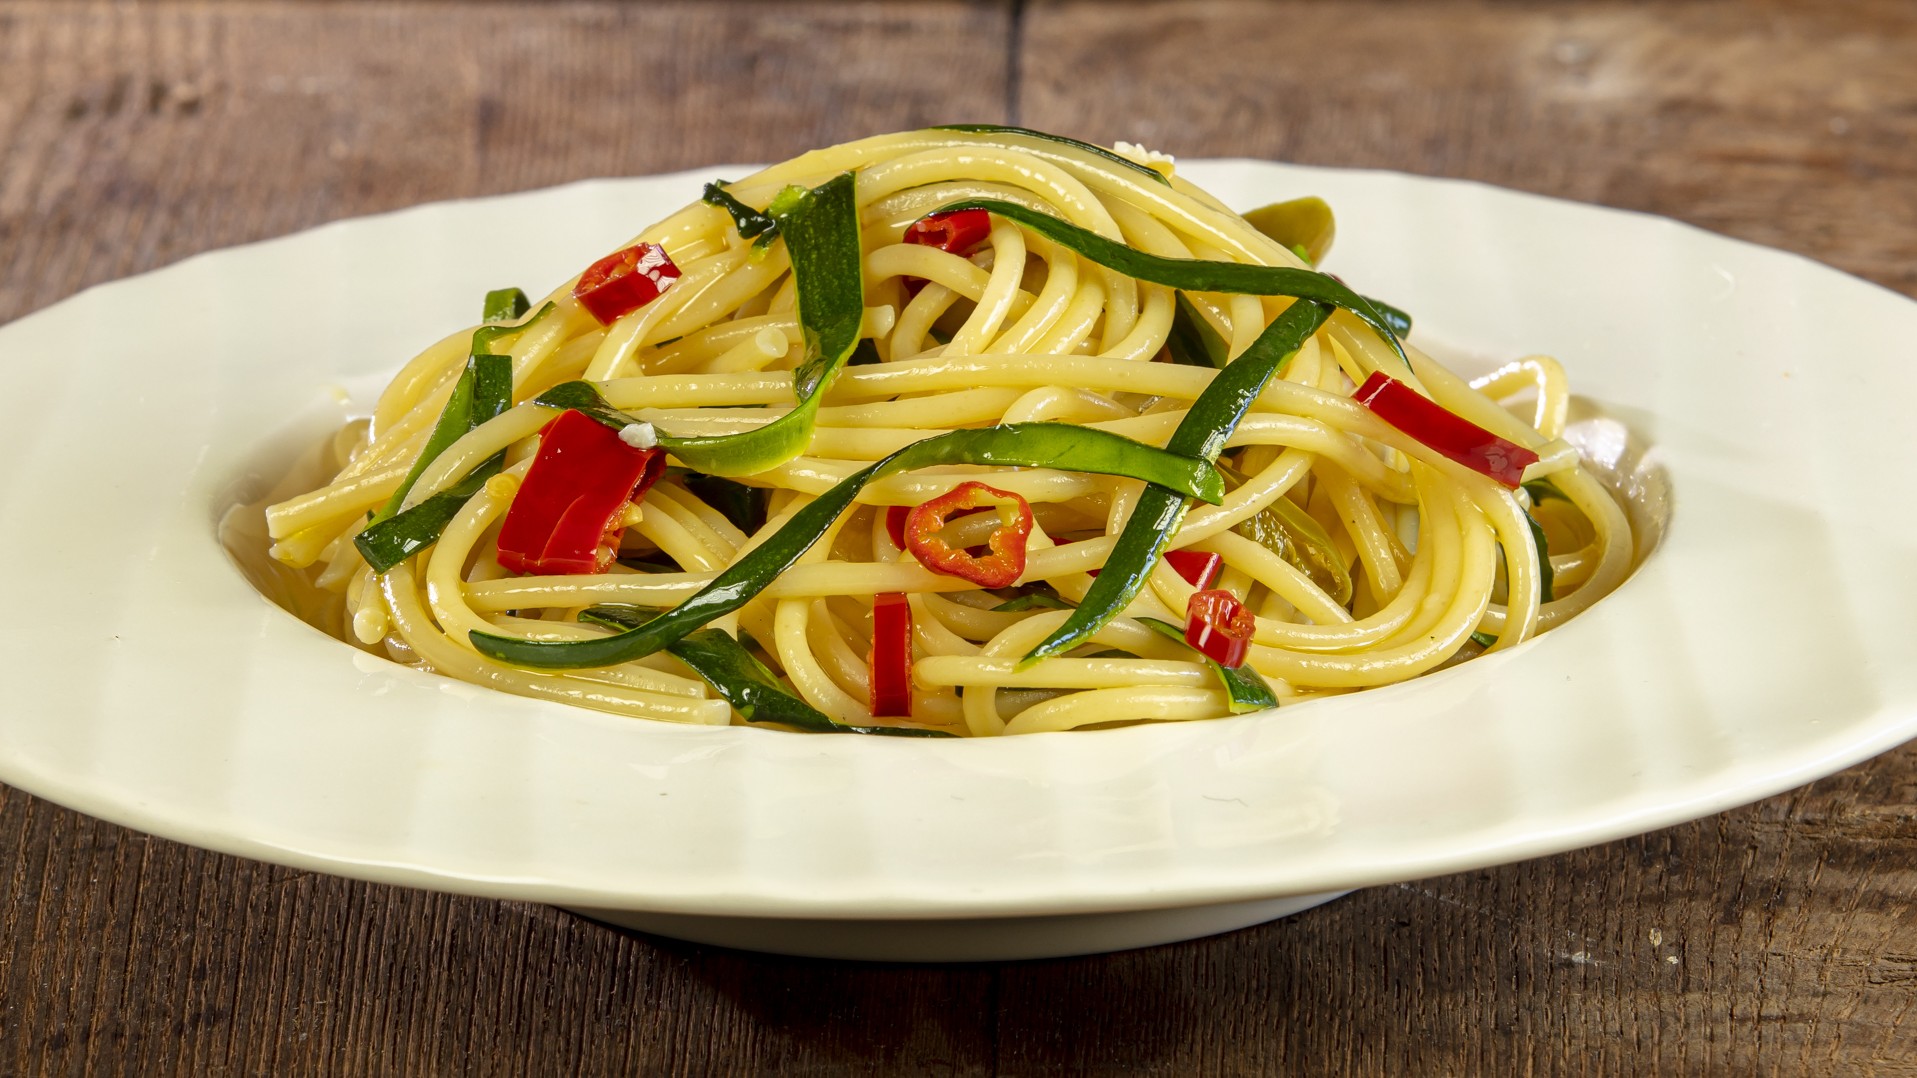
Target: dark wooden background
[(1776, 939)]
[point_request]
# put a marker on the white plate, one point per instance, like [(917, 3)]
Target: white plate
[(1768, 642)]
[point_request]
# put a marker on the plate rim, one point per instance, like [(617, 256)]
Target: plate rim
[(1881, 731)]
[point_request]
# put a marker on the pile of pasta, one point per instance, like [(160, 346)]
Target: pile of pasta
[(1364, 542)]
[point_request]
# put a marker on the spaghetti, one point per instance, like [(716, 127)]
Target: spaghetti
[(963, 431)]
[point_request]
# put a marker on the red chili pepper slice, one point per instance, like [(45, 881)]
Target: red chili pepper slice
[(959, 233), (1002, 566), (564, 518), (895, 523), (1447, 432), (891, 655), (1198, 568), (1220, 627), (622, 282)]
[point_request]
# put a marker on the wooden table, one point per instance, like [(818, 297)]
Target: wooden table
[(1779, 938)]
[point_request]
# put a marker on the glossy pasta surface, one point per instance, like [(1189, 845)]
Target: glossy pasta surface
[(1367, 555)]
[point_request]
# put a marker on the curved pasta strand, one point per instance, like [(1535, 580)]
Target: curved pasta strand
[(1021, 329)]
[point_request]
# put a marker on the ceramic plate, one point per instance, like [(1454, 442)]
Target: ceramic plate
[(1767, 641)]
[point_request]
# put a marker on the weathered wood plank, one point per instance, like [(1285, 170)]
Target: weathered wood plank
[(137, 135), (1789, 124), (1774, 939)]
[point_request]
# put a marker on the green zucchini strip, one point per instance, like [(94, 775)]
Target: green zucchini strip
[(1038, 600), (741, 679), (1043, 444), (484, 390), (505, 305), (1294, 535), (393, 540), (1246, 688), (1036, 445), (470, 404), (1191, 274), (1159, 511), (1083, 147), (821, 232), (1192, 341)]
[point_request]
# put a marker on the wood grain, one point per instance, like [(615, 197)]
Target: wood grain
[(1776, 939), (1789, 124), (137, 135)]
